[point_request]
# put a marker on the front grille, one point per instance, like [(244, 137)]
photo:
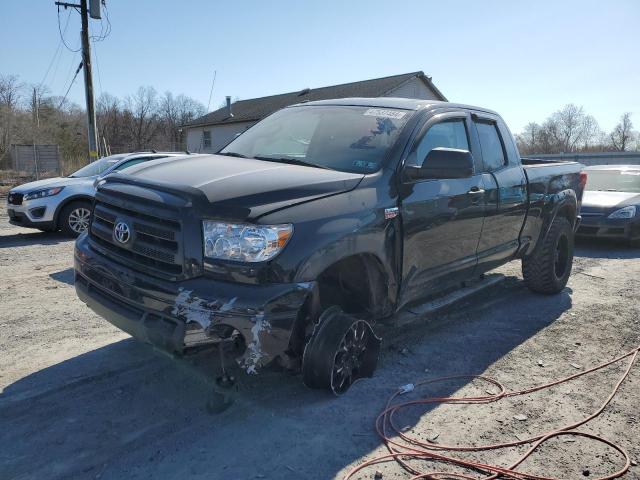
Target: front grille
[(15, 198), (154, 246)]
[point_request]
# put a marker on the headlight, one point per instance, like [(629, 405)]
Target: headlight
[(47, 192), (244, 242), (626, 212)]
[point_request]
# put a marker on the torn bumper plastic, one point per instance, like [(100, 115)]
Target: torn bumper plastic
[(174, 316)]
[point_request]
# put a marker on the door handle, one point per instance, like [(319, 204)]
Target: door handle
[(475, 192)]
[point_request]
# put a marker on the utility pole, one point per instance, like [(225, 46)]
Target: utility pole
[(92, 133), (88, 84)]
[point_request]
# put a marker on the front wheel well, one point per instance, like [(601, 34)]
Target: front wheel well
[(357, 284), (60, 208)]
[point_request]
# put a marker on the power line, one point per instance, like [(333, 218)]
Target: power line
[(95, 54), (213, 82), (104, 31), (55, 55), (57, 67), (70, 85), (62, 35), (70, 70)]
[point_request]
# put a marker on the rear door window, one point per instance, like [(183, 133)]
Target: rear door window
[(493, 155)]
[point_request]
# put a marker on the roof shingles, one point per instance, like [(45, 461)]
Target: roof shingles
[(257, 108)]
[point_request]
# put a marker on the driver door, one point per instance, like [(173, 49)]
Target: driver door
[(442, 218)]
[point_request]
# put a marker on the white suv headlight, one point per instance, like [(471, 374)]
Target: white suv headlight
[(47, 192), (626, 212), (244, 242)]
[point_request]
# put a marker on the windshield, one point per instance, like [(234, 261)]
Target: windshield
[(614, 180), (345, 138), (97, 167)]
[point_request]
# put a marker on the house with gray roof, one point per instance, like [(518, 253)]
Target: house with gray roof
[(214, 130)]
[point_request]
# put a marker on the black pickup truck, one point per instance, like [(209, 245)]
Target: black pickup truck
[(315, 226)]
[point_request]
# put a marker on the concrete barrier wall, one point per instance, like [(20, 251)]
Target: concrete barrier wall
[(599, 158)]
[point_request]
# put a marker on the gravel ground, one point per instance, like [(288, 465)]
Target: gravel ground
[(81, 400)]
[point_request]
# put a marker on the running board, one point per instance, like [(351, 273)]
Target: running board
[(412, 314)]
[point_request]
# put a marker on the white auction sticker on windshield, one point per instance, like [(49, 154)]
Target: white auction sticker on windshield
[(383, 112)]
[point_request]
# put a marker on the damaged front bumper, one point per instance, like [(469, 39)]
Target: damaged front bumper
[(175, 316)]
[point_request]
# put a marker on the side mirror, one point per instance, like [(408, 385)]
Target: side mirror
[(443, 162)]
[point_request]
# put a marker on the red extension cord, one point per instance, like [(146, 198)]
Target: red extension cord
[(413, 448)]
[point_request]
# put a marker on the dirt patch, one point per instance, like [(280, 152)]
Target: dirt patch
[(80, 399)]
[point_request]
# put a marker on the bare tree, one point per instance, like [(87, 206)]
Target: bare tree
[(109, 119), (567, 130), (10, 96), (177, 111), (571, 128), (528, 140), (591, 133), (142, 113), (622, 134)]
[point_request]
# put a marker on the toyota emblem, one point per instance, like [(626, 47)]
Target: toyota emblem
[(121, 232)]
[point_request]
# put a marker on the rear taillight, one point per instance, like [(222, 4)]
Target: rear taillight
[(583, 180)]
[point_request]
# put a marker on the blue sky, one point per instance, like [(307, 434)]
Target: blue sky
[(523, 59)]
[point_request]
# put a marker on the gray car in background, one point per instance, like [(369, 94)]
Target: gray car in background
[(611, 203), (64, 203)]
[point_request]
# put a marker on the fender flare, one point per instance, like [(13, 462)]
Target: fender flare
[(553, 206)]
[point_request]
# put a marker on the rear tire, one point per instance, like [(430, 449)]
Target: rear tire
[(341, 350), (74, 218), (548, 269)]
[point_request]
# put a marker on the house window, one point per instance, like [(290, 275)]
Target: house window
[(206, 139)]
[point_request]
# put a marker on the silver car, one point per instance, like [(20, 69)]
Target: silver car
[(64, 203), (611, 203)]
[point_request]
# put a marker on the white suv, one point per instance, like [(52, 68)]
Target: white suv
[(64, 203)]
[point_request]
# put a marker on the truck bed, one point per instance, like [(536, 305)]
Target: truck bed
[(545, 170), (537, 162)]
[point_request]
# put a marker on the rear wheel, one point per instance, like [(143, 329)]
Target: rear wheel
[(548, 270), (342, 350), (74, 218)]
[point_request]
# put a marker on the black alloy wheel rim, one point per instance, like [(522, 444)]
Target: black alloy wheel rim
[(349, 357)]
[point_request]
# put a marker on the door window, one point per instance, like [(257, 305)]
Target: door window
[(492, 151), (449, 134)]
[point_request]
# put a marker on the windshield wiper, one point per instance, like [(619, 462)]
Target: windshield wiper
[(233, 154), (291, 161)]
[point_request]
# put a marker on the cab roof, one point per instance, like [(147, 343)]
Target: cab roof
[(393, 102)]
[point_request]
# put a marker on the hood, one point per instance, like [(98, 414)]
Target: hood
[(245, 187), (51, 182), (598, 200)]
